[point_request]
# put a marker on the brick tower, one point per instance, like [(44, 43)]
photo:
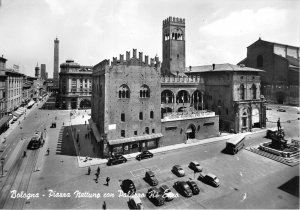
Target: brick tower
[(173, 46), (56, 63)]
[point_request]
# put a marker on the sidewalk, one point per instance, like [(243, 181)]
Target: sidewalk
[(190, 143)]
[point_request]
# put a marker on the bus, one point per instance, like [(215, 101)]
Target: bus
[(235, 144)]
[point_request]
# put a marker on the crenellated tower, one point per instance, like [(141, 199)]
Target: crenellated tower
[(173, 46)]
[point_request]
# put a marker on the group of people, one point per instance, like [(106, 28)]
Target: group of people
[(98, 174)]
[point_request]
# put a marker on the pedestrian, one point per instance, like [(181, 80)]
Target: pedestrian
[(104, 205), (89, 170), (97, 176), (48, 151), (107, 181), (278, 124), (98, 170), (24, 154), (85, 122)]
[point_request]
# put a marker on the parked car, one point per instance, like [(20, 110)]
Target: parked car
[(195, 166), (155, 196), (135, 202), (117, 159), (178, 170), (128, 186), (144, 154), (210, 179), (194, 187), (281, 110), (268, 108), (166, 193), (150, 178), (183, 188)]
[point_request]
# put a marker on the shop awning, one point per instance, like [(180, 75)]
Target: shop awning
[(30, 103), (5, 120), (137, 138), (19, 112), (16, 114)]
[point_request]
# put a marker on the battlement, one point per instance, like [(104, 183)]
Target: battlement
[(180, 79), (136, 61), (174, 20)]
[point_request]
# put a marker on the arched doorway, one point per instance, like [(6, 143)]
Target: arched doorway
[(280, 97), (85, 103), (191, 132), (255, 118)]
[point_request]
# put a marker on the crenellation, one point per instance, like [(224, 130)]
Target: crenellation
[(146, 60), (141, 56), (134, 53), (127, 55), (121, 58)]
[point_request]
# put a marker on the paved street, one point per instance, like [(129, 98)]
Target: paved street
[(247, 180)]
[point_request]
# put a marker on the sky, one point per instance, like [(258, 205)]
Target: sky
[(90, 31)]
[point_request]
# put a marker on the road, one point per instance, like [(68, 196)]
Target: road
[(248, 180)]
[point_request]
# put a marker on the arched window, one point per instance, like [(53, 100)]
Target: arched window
[(124, 91), (144, 91), (259, 61), (242, 92), (167, 97), (123, 117), (182, 97), (151, 114), (147, 130), (253, 89), (123, 133)]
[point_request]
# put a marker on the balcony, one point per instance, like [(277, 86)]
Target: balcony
[(174, 116)]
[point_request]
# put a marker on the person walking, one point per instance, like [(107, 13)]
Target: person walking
[(107, 181), (89, 170), (97, 176), (48, 151), (104, 205), (278, 124), (98, 170)]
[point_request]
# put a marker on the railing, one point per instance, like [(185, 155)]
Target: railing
[(176, 79), (186, 115)]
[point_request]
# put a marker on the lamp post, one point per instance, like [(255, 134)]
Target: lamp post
[(2, 165)]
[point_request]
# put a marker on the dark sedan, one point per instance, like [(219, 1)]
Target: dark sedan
[(183, 188), (144, 155), (118, 159), (194, 187), (155, 196), (128, 186)]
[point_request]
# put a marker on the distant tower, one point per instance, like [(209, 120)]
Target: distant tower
[(173, 46), (43, 71), (56, 63), (37, 71)]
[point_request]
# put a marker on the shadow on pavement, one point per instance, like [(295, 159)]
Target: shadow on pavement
[(291, 186), (65, 144)]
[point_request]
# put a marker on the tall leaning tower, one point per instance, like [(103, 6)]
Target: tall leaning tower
[(173, 46), (56, 63)]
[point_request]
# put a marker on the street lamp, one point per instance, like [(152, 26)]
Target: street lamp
[(2, 165)]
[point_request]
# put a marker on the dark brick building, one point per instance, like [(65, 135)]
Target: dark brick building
[(280, 81)]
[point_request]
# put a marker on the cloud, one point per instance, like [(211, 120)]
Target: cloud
[(56, 7), (246, 21)]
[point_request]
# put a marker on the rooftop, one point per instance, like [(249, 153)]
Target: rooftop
[(225, 67)]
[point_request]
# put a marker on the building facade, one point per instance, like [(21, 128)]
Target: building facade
[(233, 92), (280, 81), (14, 94), (75, 86)]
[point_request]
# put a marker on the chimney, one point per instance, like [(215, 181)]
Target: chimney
[(127, 55), (213, 66), (146, 59)]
